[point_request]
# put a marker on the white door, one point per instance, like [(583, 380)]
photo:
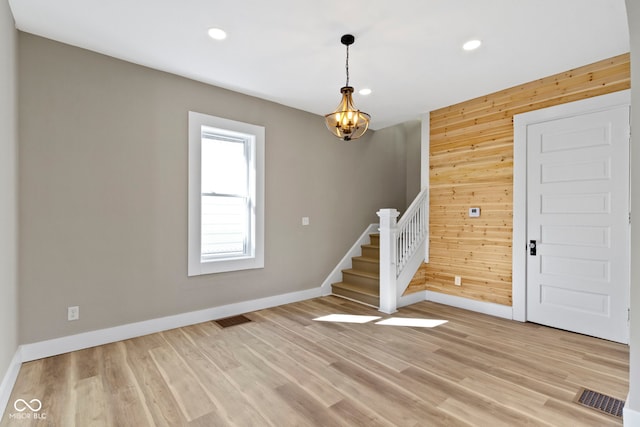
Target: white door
[(578, 219)]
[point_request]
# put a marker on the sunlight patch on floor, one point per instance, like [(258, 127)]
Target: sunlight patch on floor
[(392, 321), (346, 318), (405, 321)]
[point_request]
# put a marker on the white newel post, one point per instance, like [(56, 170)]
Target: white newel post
[(388, 297)]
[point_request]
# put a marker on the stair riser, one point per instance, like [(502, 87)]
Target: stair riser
[(375, 239), (369, 267), (371, 252), (365, 282), (357, 296)]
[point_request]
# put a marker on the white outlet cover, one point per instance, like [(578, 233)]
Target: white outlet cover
[(73, 313), (474, 212), (305, 220)]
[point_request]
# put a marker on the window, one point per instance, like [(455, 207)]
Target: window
[(226, 195)]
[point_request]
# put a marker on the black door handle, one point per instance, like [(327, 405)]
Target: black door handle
[(532, 247)]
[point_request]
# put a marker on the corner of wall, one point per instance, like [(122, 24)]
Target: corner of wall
[(9, 353)]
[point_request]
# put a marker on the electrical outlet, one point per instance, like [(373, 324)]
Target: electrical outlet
[(305, 220), (457, 281), (73, 313)]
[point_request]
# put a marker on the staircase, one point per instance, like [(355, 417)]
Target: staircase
[(361, 283)]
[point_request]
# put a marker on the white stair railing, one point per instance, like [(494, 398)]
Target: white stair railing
[(402, 248)]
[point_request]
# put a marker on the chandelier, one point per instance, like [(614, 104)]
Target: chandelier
[(347, 122)]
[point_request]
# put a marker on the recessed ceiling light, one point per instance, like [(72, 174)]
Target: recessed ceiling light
[(472, 45), (217, 34), (365, 91)]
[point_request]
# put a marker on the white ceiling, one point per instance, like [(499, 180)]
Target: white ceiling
[(288, 51)]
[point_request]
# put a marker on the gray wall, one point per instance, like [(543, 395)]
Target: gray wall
[(413, 142), (633, 15), (103, 184), (406, 134), (8, 186)]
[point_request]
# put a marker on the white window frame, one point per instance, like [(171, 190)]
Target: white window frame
[(255, 258)]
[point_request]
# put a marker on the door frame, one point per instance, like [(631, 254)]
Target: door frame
[(519, 238)]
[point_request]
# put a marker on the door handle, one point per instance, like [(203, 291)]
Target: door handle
[(532, 247)]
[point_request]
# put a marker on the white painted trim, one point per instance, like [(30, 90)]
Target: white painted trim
[(490, 308), (425, 137), (9, 380), (425, 143), (84, 340), (630, 417), (410, 269), (336, 274), (412, 298), (255, 136), (520, 123), (519, 232), (388, 251)]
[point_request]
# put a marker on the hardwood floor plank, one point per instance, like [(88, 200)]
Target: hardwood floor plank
[(286, 369), (90, 408), (303, 403), (295, 372), (479, 413), (231, 406), (182, 383), (273, 407), (355, 414), (58, 377), (160, 403), (125, 405), (570, 411)]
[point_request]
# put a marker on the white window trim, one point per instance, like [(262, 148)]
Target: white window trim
[(195, 265)]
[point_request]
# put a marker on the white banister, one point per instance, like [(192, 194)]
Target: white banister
[(412, 230), (402, 244)]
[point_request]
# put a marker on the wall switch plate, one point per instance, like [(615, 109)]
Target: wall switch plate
[(457, 281), (305, 220), (73, 313), (474, 212)]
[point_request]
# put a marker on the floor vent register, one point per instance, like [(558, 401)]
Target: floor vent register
[(600, 402), (232, 321)]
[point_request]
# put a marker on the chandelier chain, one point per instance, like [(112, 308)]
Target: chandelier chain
[(347, 66)]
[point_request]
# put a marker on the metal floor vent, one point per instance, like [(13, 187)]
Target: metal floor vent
[(600, 402), (232, 321)]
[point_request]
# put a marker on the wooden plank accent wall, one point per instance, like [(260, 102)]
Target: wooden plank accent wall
[(471, 165)]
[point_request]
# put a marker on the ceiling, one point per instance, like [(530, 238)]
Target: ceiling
[(288, 51)]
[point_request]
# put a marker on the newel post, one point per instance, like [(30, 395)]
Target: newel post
[(388, 293)]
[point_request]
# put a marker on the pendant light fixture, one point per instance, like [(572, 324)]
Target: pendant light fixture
[(347, 122)]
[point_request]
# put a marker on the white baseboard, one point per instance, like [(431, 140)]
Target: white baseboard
[(9, 380), (492, 309), (89, 339), (412, 298), (630, 417)]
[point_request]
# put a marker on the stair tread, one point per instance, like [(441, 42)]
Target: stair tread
[(367, 259), (370, 275), (356, 288), (369, 245)]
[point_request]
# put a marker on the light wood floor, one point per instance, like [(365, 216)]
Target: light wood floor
[(285, 369)]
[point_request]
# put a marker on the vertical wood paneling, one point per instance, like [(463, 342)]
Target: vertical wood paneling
[(471, 165)]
